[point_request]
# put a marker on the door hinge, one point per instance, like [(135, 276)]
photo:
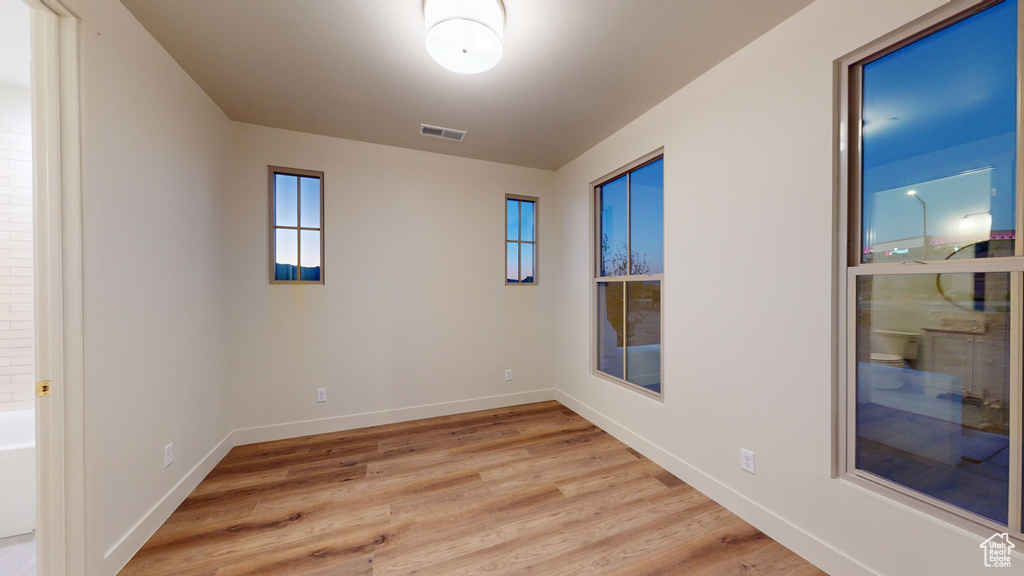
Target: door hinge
[(43, 388)]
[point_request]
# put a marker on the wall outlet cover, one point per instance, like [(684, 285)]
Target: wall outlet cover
[(747, 460)]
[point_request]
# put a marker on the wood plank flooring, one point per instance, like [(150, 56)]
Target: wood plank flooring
[(526, 490)]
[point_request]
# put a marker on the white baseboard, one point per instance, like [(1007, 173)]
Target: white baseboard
[(120, 553), (789, 535), (353, 421)]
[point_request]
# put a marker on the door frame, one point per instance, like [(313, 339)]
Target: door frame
[(56, 136)]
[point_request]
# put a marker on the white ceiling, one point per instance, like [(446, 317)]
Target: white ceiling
[(15, 47), (573, 71)]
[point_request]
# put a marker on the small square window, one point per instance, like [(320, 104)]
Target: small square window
[(296, 227), (520, 240)]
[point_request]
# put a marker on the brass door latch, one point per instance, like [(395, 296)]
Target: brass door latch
[(43, 388)]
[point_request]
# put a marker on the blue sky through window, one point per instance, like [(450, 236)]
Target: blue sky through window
[(634, 222), (512, 214), (287, 246), (647, 229), (520, 225), (286, 200), (310, 211), (512, 262), (297, 249), (614, 227), (942, 106)]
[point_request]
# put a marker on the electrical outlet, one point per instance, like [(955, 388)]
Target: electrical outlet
[(321, 394), (168, 454), (747, 460), (508, 374)]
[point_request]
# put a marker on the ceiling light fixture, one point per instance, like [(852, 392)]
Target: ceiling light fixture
[(465, 36)]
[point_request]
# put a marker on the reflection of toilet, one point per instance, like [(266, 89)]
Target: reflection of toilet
[(892, 348)]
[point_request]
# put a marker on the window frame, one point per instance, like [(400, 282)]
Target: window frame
[(535, 242), (848, 268), (597, 279), (272, 171)]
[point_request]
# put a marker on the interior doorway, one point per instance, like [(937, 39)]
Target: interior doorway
[(50, 231), (18, 491)]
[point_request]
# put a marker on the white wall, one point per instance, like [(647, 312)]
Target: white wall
[(15, 105), (17, 342), (414, 311), (747, 298), (156, 167)]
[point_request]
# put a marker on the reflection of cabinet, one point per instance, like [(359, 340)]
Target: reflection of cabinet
[(981, 360)]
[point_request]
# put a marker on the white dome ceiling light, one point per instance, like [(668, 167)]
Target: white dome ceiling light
[(465, 36)]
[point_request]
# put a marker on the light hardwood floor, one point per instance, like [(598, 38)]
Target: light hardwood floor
[(526, 490)]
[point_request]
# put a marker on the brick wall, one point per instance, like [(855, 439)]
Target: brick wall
[(17, 337)]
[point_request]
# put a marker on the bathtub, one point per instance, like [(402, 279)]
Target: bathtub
[(17, 472)]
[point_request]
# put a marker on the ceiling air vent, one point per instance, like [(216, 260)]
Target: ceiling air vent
[(438, 132)]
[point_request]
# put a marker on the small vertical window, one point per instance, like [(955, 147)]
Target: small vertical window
[(296, 227), (520, 240), (630, 270)]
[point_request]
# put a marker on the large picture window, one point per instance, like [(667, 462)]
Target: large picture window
[(630, 270), (296, 228), (931, 279)]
